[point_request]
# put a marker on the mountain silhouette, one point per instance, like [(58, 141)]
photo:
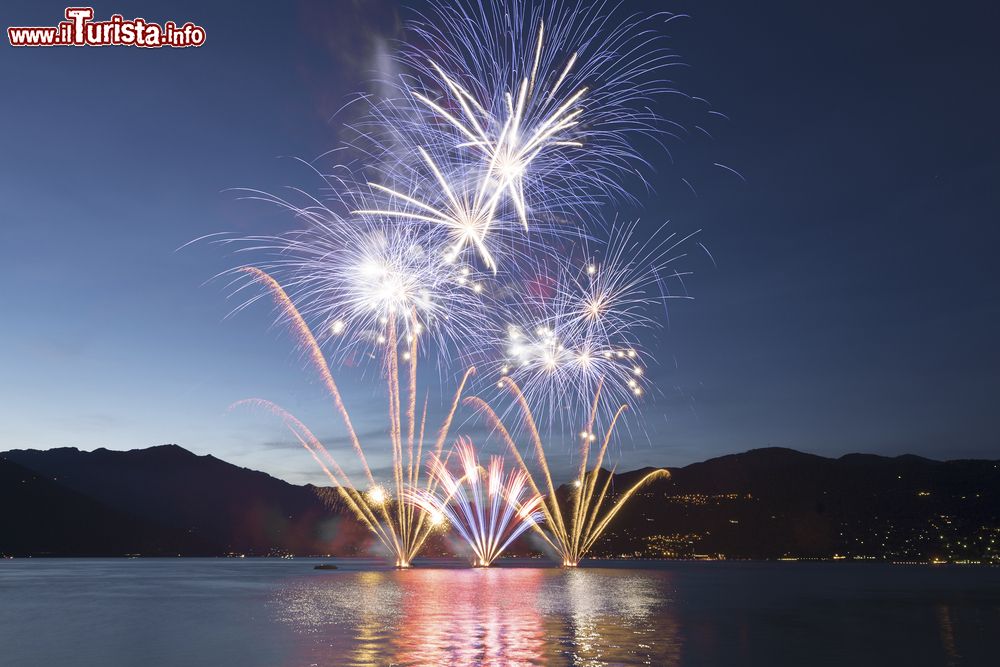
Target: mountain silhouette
[(776, 502), (214, 506), (764, 503)]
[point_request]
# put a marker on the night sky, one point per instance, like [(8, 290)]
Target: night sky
[(854, 305)]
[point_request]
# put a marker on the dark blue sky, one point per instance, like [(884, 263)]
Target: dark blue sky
[(854, 307)]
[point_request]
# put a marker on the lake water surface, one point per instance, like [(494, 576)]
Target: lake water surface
[(157, 612)]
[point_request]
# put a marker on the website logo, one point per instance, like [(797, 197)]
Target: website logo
[(80, 29)]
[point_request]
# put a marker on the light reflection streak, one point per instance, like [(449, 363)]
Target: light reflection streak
[(496, 616)]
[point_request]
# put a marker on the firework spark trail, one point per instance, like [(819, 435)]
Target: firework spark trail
[(355, 500), (308, 340), (390, 517), (487, 509), (589, 516)]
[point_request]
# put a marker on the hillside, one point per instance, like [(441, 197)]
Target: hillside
[(765, 503), (772, 503), (214, 507)]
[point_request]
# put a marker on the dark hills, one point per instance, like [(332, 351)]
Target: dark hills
[(192, 505), (772, 503), (765, 503), (40, 516)]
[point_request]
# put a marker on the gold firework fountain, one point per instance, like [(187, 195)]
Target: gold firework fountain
[(386, 511), (573, 530)]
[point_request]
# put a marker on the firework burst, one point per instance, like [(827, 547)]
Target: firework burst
[(489, 510), (549, 97), (355, 279), (579, 326), (509, 117)]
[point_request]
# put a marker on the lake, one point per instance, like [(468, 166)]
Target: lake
[(157, 612)]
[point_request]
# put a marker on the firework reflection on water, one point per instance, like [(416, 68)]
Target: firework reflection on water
[(496, 616)]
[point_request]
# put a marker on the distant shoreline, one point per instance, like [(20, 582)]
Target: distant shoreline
[(373, 563)]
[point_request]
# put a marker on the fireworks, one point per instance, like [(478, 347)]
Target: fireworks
[(390, 515), (506, 117), (468, 234), (548, 97), (351, 278), (580, 327), (573, 530), (487, 509)]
